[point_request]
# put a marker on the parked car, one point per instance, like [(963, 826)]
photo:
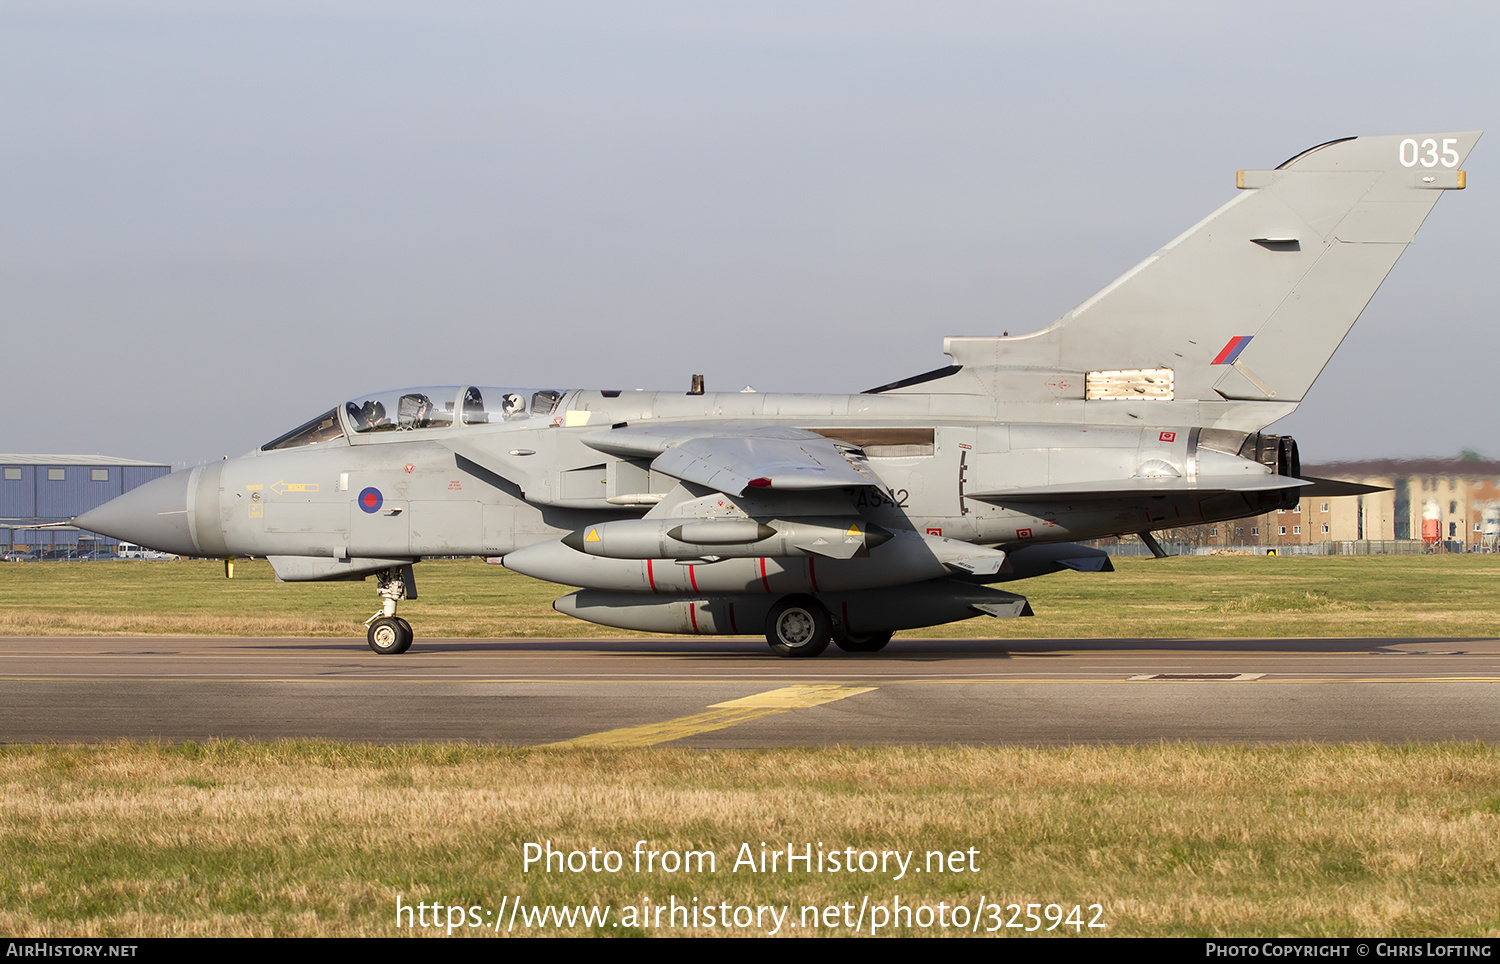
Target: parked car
[(19, 556)]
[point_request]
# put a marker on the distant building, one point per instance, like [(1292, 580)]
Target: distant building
[(1443, 501), (41, 489)]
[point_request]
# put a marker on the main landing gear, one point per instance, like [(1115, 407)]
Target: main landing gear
[(799, 627), (862, 642), (389, 634)]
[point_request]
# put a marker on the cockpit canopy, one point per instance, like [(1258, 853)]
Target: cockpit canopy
[(410, 409), (406, 409)]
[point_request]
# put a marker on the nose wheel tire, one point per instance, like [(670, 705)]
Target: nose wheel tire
[(862, 642), (798, 627), (390, 635)]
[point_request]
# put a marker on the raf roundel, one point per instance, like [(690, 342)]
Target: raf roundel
[(370, 499)]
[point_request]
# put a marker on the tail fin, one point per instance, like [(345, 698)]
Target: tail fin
[(1249, 304)]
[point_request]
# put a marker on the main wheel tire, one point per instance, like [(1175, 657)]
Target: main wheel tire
[(798, 627), (862, 642), (390, 636)]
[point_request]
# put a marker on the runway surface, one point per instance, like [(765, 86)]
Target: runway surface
[(734, 693)]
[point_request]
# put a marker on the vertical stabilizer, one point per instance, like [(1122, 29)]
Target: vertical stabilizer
[(1247, 305)]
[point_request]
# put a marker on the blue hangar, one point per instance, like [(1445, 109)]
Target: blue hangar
[(51, 489)]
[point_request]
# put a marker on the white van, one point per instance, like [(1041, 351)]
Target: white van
[(129, 550)]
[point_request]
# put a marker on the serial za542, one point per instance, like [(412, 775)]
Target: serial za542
[(817, 518)]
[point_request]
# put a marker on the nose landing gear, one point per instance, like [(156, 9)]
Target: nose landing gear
[(389, 634)]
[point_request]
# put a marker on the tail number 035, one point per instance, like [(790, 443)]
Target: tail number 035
[(1427, 153)]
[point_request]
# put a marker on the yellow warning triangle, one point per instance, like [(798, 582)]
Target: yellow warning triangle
[(593, 536), (853, 531)]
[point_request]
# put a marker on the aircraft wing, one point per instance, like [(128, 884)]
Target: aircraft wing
[(734, 464), (735, 460)]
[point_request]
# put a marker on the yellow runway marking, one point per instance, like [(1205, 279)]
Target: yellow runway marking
[(796, 697), (719, 716)]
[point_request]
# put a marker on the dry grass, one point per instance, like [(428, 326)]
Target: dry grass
[(1220, 596), (320, 839)]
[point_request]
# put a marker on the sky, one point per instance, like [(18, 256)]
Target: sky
[(218, 220)]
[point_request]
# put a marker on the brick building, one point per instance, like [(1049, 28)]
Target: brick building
[(1450, 494)]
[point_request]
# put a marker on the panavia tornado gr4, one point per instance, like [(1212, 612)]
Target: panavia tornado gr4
[(818, 518)]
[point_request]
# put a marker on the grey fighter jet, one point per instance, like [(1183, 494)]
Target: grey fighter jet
[(814, 518)]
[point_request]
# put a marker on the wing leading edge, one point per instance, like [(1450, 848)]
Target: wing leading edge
[(736, 460)]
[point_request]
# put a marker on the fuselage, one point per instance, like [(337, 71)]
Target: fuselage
[(489, 486)]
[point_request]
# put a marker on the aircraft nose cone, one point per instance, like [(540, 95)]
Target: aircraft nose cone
[(154, 515)]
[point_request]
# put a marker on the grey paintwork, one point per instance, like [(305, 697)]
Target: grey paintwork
[(1140, 409)]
